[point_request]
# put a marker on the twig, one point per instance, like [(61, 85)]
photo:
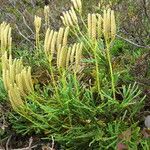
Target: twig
[(135, 44), (26, 148), (49, 146), (7, 143), (33, 3), (25, 22), (145, 9), (30, 142), (23, 35), (53, 143)]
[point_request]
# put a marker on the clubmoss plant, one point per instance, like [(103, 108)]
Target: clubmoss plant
[(46, 15), (69, 18), (37, 24), (17, 79), (54, 40), (5, 37), (77, 4), (83, 101), (109, 31), (94, 26)]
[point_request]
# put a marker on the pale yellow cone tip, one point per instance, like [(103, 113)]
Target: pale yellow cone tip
[(113, 25)]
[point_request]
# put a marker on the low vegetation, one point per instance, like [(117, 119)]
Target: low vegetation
[(77, 86)]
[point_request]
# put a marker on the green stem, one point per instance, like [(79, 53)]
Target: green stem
[(82, 20), (111, 70), (76, 84), (74, 31), (53, 81), (97, 71), (37, 40), (64, 81)]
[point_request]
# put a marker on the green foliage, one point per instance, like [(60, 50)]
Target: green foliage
[(145, 144), (73, 108), (3, 94), (83, 119)]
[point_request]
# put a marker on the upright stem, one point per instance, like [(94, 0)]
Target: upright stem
[(111, 70), (76, 84), (84, 24), (80, 38), (53, 81), (97, 70), (37, 40)]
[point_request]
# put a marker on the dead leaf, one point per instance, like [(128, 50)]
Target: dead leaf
[(121, 146), (146, 133), (126, 135)]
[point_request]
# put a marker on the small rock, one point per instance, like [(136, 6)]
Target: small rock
[(147, 121)]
